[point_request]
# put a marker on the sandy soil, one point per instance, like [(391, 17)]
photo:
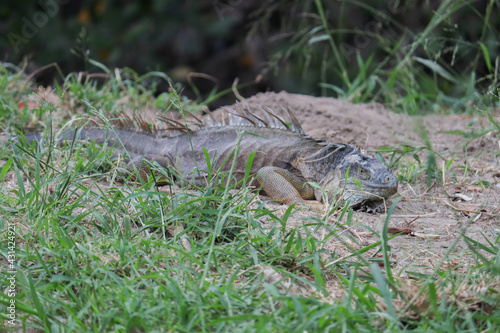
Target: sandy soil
[(436, 215)]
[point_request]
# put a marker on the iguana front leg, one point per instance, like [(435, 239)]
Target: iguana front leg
[(284, 186)]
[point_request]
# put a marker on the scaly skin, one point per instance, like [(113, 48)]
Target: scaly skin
[(286, 160)]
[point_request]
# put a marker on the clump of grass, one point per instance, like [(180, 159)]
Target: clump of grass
[(113, 91)]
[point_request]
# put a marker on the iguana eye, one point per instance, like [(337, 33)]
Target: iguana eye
[(363, 173)]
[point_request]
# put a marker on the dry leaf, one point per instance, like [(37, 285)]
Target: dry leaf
[(474, 188), (462, 196), (470, 208), (425, 236), (396, 230), (477, 218)]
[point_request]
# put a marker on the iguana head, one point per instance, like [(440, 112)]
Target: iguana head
[(363, 179), (368, 179)]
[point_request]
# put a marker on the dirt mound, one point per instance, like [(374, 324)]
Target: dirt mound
[(333, 119)]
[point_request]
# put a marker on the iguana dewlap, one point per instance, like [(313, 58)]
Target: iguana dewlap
[(286, 160)]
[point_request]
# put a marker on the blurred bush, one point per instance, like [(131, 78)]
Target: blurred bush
[(287, 41)]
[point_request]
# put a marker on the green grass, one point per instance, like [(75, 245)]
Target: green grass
[(90, 257)]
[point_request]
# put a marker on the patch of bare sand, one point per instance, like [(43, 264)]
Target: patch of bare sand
[(434, 214)]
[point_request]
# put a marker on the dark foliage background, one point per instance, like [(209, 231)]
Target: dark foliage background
[(284, 41)]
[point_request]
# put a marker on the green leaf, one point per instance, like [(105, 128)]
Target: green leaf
[(490, 117), (383, 288), (380, 158), (415, 156), (36, 300), (207, 158), (287, 214), (290, 241), (434, 300), (486, 55), (6, 168), (482, 183), (456, 132), (315, 185), (337, 89), (357, 183), (249, 165), (437, 68), (101, 66), (448, 163), (318, 38)]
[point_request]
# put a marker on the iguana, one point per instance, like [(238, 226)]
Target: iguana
[(286, 159)]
